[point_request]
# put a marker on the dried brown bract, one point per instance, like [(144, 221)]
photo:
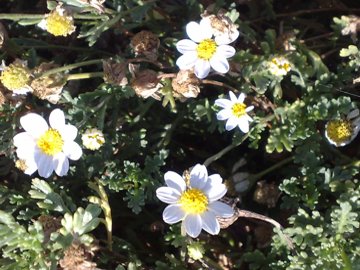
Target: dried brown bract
[(114, 72), (147, 44), (185, 85), (146, 84), (78, 257), (48, 87), (267, 194), (50, 224)]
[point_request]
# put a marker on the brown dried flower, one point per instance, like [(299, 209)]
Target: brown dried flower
[(114, 72), (3, 35), (352, 26), (147, 84), (147, 44), (267, 194), (185, 85), (79, 257), (48, 87), (50, 224)]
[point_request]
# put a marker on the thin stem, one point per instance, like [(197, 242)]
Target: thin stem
[(72, 66), (272, 168), (219, 84), (81, 76), (20, 16), (346, 260)]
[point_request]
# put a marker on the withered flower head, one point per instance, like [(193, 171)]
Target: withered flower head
[(78, 257), (185, 85), (3, 35), (352, 26), (50, 224), (147, 44), (224, 30), (48, 87), (146, 84), (114, 72), (267, 194)]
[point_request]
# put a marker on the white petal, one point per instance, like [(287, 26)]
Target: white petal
[(31, 167), (216, 192), (213, 181), (23, 139), (249, 109), (26, 151), (210, 223), (206, 29), (186, 45), (231, 123), (68, 132), (167, 195), (34, 124), (243, 124), (233, 97), (198, 176), (219, 64), (45, 164), (225, 51), (187, 60), (175, 181), (227, 38), (42, 24), (173, 214), (72, 150), (224, 103), (57, 119), (353, 114), (61, 164), (202, 68), (241, 98), (221, 209), (224, 114), (193, 224), (193, 31)]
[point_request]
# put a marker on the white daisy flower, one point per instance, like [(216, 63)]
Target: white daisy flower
[(279, 66), (58, 22), (16, 77), (341, 132), (201, 52), (235, 112), (93, 139), (45, 148), (194, 203)]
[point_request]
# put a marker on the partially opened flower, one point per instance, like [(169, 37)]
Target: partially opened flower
[(93, 139), (341, 132), (16, 77), (45, 148), (194, 203), (58, 22), (202, 52), (279, 66), (235, 112)]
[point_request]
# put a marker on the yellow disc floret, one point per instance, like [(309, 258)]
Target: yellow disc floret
[(59, 24), (281, 64), (206, 49), (194, 201), (238, 109), (15, 76), (339, 131), (51, 142)]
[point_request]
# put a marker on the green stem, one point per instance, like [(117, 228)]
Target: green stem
[(20, 16), (346, 260), (81, 76), (69, 67), (281, 163)]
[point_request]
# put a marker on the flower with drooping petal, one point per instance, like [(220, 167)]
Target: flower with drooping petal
[(58, 22), (202, 52), (16, 77), (235, 112), (93, 139), (194, 203), (341, 132), (45, 148)]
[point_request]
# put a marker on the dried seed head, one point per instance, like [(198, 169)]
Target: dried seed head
[(224, 30), (49, 87), (267, 194), (185, 85), (16, 77), (115, 73), (3, 35), (147, 44), (50, 224), (146, 83), (78, 257)]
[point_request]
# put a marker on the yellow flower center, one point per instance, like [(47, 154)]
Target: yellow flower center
[(339, 131), (194, 201), (238, 109), (206, 49), (50, 142), (281, 64), (59, 25), (15, 77)]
